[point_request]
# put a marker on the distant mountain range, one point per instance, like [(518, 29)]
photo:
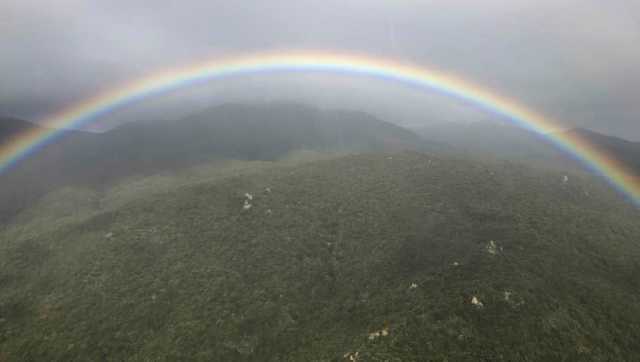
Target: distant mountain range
[(509, 142), (10, 126), (262, 132), (230, 131), (626, 152)]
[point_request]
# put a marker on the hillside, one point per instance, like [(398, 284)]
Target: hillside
[(626, 152), (509, 142), (21, 186), (231, 131), (493, 138), (378, 257)]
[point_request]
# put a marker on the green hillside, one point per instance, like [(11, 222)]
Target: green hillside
[(230, 131), (377, 257)]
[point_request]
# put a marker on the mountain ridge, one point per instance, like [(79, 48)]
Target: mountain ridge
[(231, 131), (625, 151), (510, 142)]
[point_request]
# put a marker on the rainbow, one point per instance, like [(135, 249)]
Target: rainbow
[(92, 108)]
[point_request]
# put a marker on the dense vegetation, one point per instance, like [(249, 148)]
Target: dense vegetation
[(379, 257)]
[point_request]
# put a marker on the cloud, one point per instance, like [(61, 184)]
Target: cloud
[(575, 60)]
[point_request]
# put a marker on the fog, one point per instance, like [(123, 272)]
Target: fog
[(574, 60)]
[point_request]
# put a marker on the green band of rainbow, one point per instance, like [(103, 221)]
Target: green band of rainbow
[(89, 110)]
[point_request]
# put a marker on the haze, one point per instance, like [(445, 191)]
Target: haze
[(574, 60)]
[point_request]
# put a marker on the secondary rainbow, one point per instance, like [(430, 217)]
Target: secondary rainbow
[(92, 108)]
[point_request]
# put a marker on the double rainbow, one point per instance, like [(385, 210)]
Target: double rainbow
[(80, 114)]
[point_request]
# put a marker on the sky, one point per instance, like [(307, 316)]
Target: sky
[(577, 61)]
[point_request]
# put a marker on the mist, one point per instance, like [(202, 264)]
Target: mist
[(543, 54)]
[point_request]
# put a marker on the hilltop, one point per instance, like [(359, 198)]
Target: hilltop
[(265, 132), (390, 256)]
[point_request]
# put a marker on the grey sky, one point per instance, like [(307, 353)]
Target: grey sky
[(576, 60)]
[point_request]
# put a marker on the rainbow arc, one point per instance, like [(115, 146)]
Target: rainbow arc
[(89, 110)]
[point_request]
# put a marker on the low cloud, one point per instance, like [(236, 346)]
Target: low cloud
[(574, 60)]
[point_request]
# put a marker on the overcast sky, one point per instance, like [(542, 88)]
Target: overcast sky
[(575, 60)]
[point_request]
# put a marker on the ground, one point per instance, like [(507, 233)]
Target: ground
[(376, 257)]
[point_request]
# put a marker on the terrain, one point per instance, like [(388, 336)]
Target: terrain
[(282, 232), (372, 257), (504, 141), (230, 131)]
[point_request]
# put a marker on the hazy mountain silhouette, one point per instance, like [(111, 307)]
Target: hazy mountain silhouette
[(489, 137), (252, 132), (262, 132), (514, 143), (627, 152), (9, 127), (231, 131)]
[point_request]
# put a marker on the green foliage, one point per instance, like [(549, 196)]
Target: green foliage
[(172, 267)]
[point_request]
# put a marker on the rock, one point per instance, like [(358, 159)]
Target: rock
[(384, 332), (352, 356), (246, 205), (492, 247), (507, 296)]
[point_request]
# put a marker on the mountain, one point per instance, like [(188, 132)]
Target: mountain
[(504, 141), (9, 127), (251, 132), (22, 185), (385, 256), (627, 152), (231, 131), (487, 137)]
